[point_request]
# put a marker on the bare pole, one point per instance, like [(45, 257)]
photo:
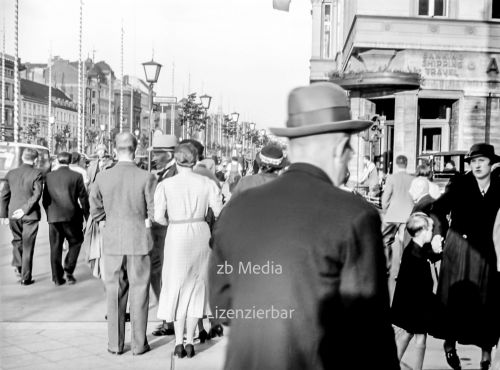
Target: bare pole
[(131, 108), (16, 72), (121, 83), (79, 128), (3, 82), (109, 110), (49, 116)]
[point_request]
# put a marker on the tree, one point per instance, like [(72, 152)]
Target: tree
[(62, 137), (32, 131), (192, 115), (91, 135)]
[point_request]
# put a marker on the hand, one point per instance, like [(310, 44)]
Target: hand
[(437, 242), (18, 214)]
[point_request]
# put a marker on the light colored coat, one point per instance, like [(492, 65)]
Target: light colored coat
[(123, 196), (396, 201)]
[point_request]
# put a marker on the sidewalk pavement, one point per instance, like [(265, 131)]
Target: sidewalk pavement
[(46, 327), (79, 346)]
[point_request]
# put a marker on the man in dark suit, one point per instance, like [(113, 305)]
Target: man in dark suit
[(127, 208), (163, 155), (19, 202), (298, 264), (66, 203)]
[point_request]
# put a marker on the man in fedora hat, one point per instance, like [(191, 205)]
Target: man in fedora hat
[(164, 167), (102, 163), (270, 161), (302, 259), (468, 285)]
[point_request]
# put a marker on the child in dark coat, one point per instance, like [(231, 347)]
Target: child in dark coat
[(414, 304)]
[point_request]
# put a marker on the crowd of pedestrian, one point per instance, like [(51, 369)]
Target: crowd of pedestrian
[(297, 266)]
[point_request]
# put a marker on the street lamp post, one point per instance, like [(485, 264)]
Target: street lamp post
[(235, 116), (152, 72), (205, 101)]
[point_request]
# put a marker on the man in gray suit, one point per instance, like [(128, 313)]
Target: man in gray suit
[(397, 205), (123, 196)]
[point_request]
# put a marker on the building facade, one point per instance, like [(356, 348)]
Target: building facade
[(428, 68), (34, 116), (97, 92), (8, 98)]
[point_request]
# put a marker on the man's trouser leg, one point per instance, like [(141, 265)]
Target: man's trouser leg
[(389, 231), (16, 227), (56, 239), (116, 280), (158, 233), (74, 235), (139, 274), (30, 230)]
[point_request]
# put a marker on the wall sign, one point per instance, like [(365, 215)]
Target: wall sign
[(446, 65)]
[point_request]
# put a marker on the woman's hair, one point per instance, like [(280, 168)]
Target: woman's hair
[(186, 155), (417, 222), (424, 170)]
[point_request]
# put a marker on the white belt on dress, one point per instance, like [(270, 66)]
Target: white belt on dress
[(187, 221)]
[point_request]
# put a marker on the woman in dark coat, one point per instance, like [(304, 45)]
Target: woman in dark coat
[(415, 305), (468, 281)]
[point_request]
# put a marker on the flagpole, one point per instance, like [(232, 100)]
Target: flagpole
[(16, 72), (121, 82), (3, 82), (79, 128), (49, 127)]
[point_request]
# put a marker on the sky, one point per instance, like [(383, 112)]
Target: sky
[(243, 53)]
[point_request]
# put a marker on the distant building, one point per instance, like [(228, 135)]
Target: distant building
[(8, 97), (34, 112), (431, 67), (97, 90)]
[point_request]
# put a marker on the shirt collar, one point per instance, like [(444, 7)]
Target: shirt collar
[(310, 170)]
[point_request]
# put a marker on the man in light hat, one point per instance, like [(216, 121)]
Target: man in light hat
[(270, 161), (303, 259), (163, 157), (100, 164), (468, 285)]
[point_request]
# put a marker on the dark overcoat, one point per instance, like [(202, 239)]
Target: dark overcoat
[(415, 306), (468, 281), (65, 198), (314, 253), (22, 190)]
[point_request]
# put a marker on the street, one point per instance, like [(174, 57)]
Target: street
[(48, 327)]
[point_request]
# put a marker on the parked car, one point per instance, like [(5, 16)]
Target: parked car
[(10, 157), (445, 165)]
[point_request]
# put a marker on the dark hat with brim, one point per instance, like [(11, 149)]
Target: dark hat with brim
[(482, 150), (319, 108)]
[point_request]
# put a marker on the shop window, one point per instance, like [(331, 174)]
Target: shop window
[(495, 9), (431, 139), (432, 8)]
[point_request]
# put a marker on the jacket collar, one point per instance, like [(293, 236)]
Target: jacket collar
[(125, 163), (309, 170)]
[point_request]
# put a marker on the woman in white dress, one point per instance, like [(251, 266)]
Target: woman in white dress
[(185, 199)]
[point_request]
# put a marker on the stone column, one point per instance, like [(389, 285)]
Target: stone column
[(316, 29), (406, 128)]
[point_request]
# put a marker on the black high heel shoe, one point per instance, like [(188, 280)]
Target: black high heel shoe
[(453, 359), (216, 330), (180, 351), (203, 336), (189, 350)]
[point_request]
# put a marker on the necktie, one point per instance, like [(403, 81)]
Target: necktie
[(483, 193)]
